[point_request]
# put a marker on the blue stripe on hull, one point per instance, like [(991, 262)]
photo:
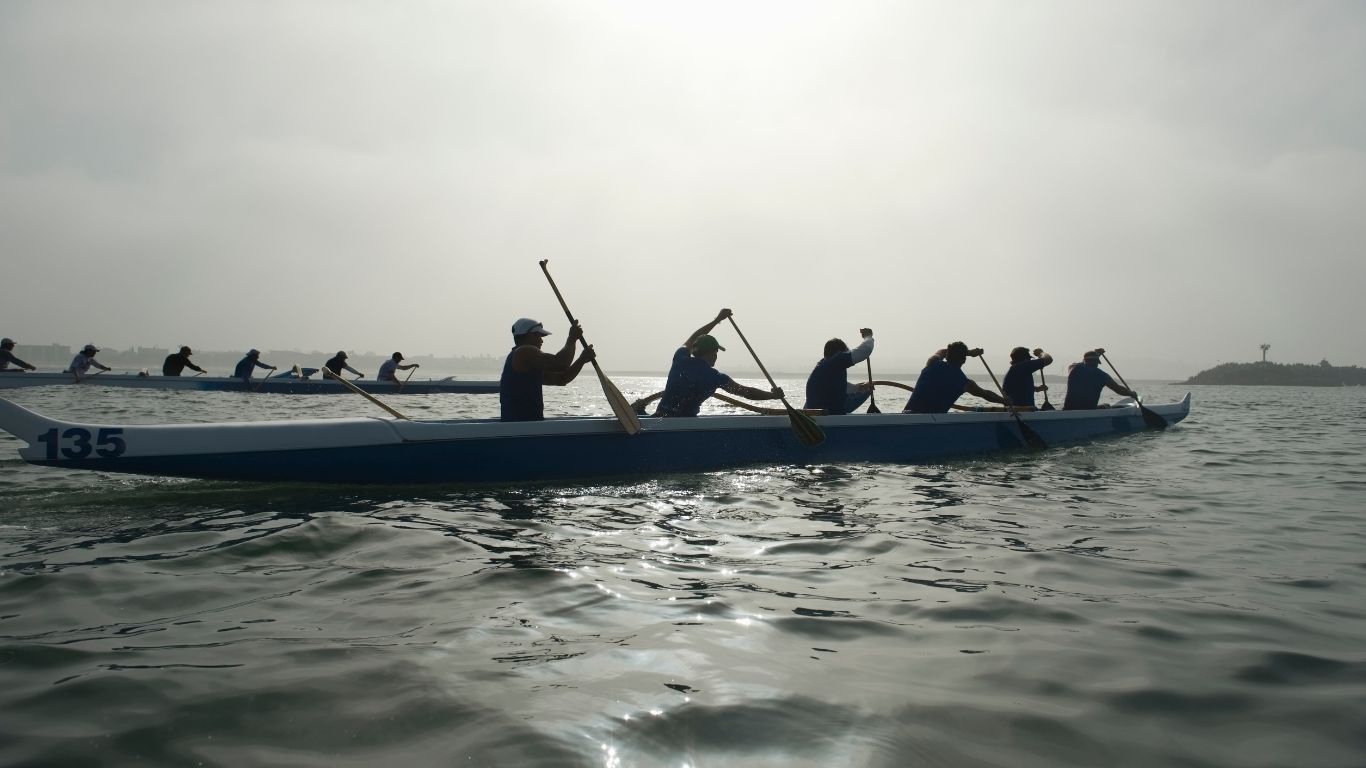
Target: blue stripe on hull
[(577, 456)]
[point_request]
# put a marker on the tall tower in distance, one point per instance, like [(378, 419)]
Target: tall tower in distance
[(1265, 347)]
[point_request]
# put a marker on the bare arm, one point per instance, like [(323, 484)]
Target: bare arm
[(706, 329), (986, 394), (561, 378), (1120, 389), (752, 393)]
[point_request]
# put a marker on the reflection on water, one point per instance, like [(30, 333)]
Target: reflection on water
[(1189, 597)]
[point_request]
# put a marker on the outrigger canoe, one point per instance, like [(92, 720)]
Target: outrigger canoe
[(477, 451), (283, 384)]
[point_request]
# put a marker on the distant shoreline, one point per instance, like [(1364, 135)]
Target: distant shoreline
[(1281, 374)]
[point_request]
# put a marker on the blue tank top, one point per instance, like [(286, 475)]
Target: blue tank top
[(519, 394), (827, 388)]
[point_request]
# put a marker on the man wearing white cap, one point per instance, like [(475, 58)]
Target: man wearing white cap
[(84, 361), (7, 357), (527, 369)]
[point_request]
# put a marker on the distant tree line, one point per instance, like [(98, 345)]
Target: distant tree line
[(1325, 374)]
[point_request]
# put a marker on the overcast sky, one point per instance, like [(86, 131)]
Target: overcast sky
[(1177, 182)]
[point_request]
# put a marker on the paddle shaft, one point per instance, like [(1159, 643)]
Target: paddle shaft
[(405, 379), (757, 361), (327, 373), (1120, 375), (644, 401), (622, 409), (1150, 417), (1031, 437), (1044, 384), (872, 398), (807, 431)]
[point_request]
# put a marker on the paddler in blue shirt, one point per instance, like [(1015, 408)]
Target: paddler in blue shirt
[(248, 365), (828, 387), (1019, 380), (942, 381), (693, 376), (527, 369), (1085, 380)]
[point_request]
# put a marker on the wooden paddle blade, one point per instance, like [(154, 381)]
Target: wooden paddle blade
[(621, 407), (808, 432), (872, 408), (1047, 406)]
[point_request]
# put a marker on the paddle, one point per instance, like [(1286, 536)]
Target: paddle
[(1047, 406), (644, 401), (624, 413), (909, 388), (808, 432), (872, 399), (1153, 420), (257, 386), (759, 409), (1031, 437), (327, 373), (405, 379)]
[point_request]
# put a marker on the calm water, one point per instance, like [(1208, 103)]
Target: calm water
[(1194, 598)]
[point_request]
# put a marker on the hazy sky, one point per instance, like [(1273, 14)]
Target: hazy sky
[(1178, 182)]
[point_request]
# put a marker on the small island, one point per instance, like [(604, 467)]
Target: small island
[(1324, 374)]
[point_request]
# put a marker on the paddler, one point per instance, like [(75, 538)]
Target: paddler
[(693, 376), (84, 361), (828, 387), (388, 370), (175, 363), (7, 357), (1085, 380), (942, 381), (527, 369), (248, 365), (1019, 380), (338, 364)]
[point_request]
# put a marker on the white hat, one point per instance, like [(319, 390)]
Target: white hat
[(526, 325)]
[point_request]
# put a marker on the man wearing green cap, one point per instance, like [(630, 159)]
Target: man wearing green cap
[(693, 376)]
